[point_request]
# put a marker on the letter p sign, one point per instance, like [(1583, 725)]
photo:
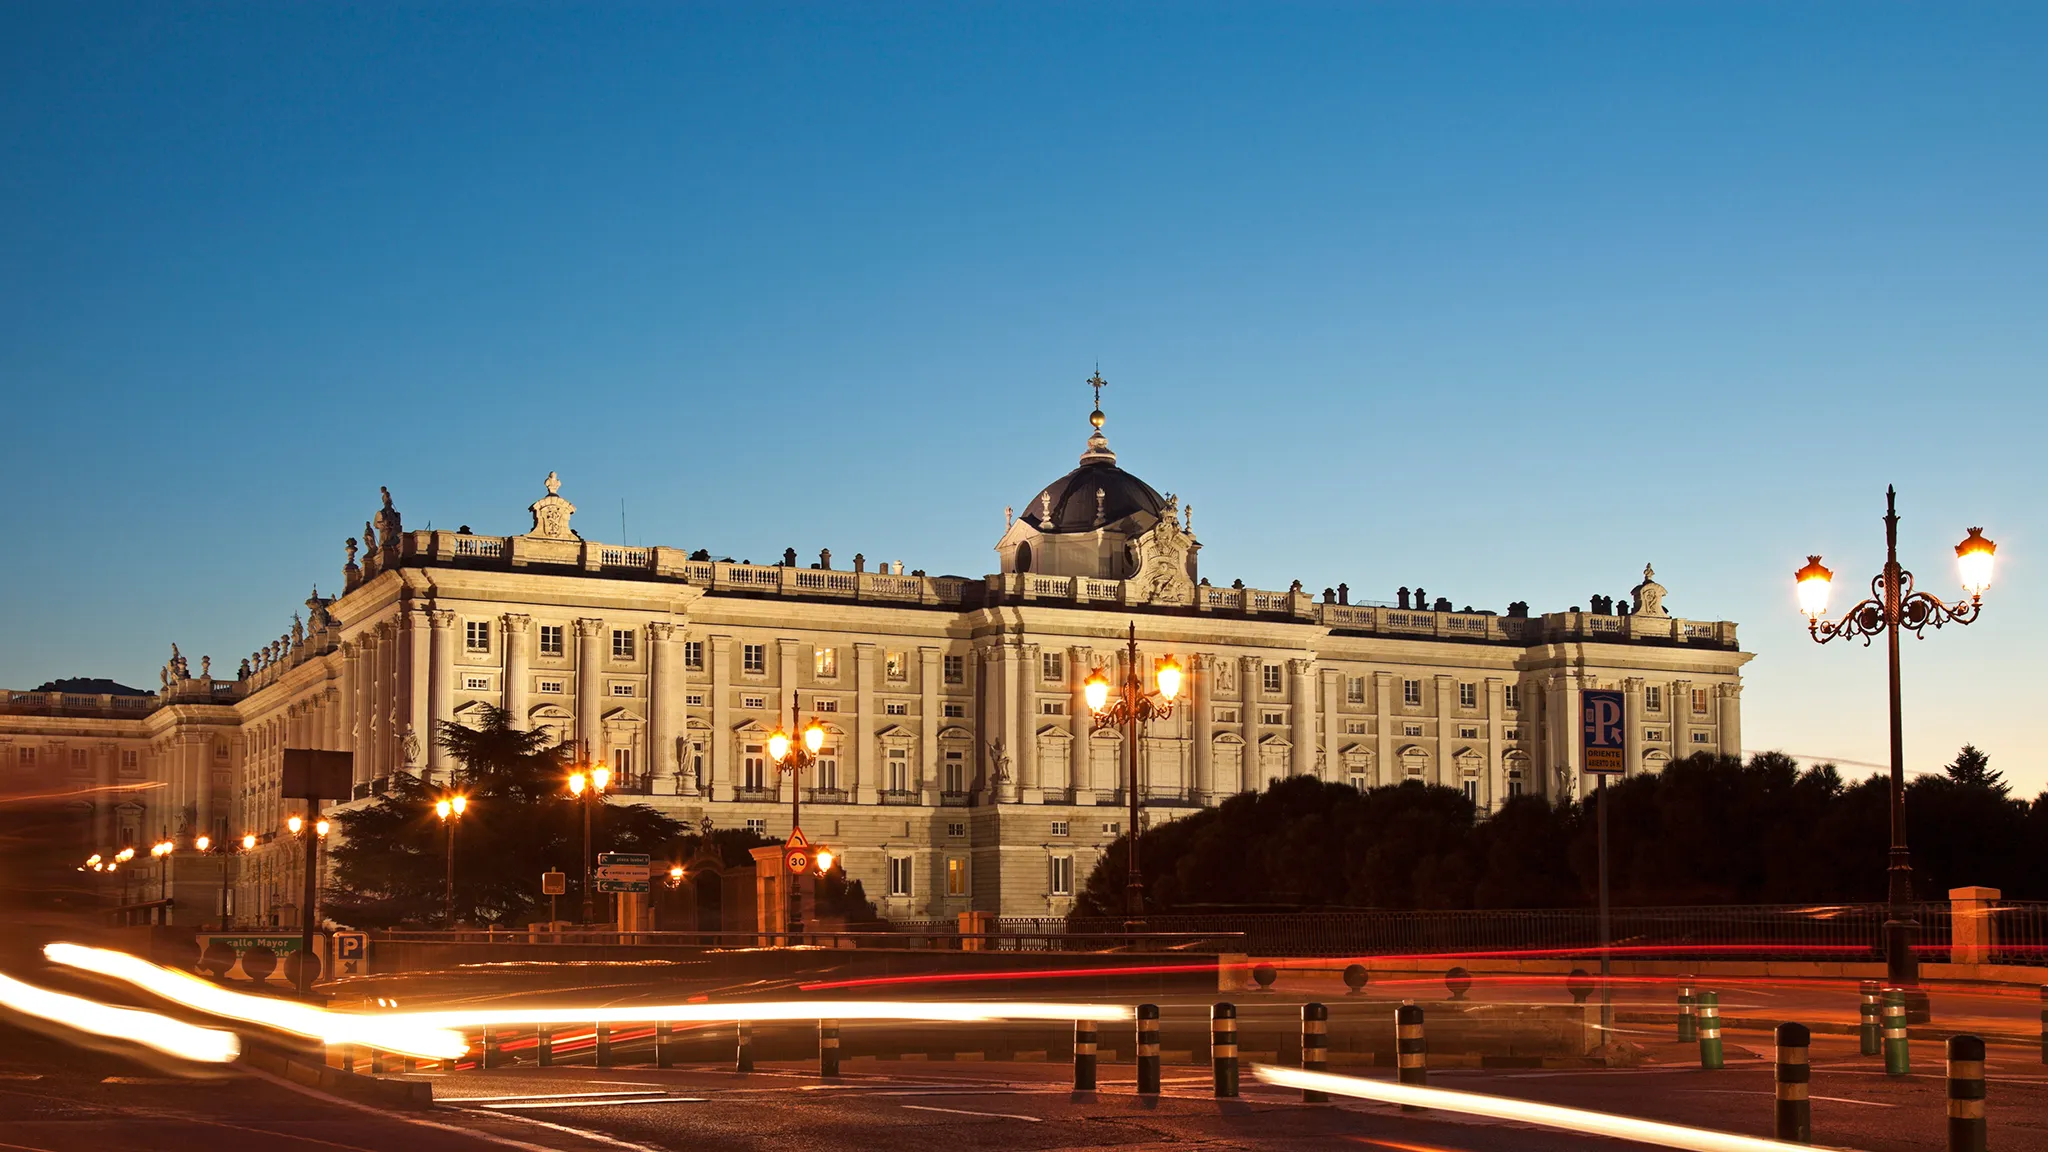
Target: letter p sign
[(1603, 739)]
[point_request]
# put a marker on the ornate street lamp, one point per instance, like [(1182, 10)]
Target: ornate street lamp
[(793, 757), (1130, 706), (588, 788), (1894, 607), (450, 810)]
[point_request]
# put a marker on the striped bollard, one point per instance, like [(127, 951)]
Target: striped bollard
[(376, 1062), (1869, 1032), (744, 1061), (1794, 1112), (1084, 1055), (494, 1055), (1148, 1049), (1710, 1030), (544, 1046), (1966, 1132), (1898, 1058), (1223, 1047), (664, 1044), (828, 1048), (1315, 1047), (1688, 1022), (1411, 1049), (604, 1045)]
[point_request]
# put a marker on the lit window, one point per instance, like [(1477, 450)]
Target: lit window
[(1270, 677), (693, 655), (1411, 693), (1062, 880), (622, 644), (1354, 689), (1699, 701), (900, 871), (1468, 695), (826, 661), (896, 666), (754, 659), (477, 635), (551, 640), (956, 669), (956, 876), (1052, 666)]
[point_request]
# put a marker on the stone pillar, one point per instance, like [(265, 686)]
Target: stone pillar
[(866, 763), (666, 717), (1730, 695), (1251, 768), (1080, 723), (1303, 761), (109, 754), (1383, 728), (1494, 791), (720, 655), (1632, 726), (1971, 926), (929, 721), (363, 658), (1024, 758), (589, 687), (1564, 730), (1201, 716), (1001, 693), (442, 680), (1333, 725), (1446, 730), (418, 681), (1681, 718), (518, 630), (788, 678)]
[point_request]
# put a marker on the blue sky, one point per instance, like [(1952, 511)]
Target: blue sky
[(1504, 300)]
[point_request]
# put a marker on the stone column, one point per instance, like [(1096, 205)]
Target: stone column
[(1632, 726), (419, 682), (1494, 790), (1681, 718), (109, 754), (1730, 695), (1251, 768), (1333, 725), (1303, 762), (719, 653), (1383, 727), (666, 717), (1024, 759), (1446, 730), (518, 630), (1564, 727), (866, 764), (442, 680), (929, 721), (1080, 724), (362, 657), (589, 687), (1201, 716), (788, 678), (1000, 692)]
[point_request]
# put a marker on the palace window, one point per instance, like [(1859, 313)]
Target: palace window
[(1224, 715), (476, 683), (1511, 696), (753, 701), (956, 829), (1269, 677), (953, 711), (1059, 827), (896, 665), (1113, 828), (1354, 727), (1052, 667), (1468, 733), (825, 661), (896, 708), (78, 757), (551, 687), (1653, 698), (956, 774), (1411, 693), (825, 705), (826, 775), (622, 764), (1472, 789), (622, 689), (1702, 737), (1653, 735), (693, 700), (1062, 876), (898, 778), (131, 759), (1272, 717), (693, 655), (1354, 689), (956, 876), (1411, 729), (956, 669), (1468, 695), (551, 640), (754, 659), (477, 635), (753, 769), (1511, 734), (28, 757), (1514, 783), (901, 869), (622, 643), (758, 827), (1051, 708), (1699, 701)]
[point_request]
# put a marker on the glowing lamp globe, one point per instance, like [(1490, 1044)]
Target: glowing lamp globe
[(814, 737), (601, 777), (294, 824), (203, 843), (442, 808), (824, 861), (1813, 588), (248, 841), (1973, 559), (460, 804), (575, 783), (1169, 679), (778, 745), (1095, 690)]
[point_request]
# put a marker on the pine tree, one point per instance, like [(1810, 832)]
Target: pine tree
[(1972, 769)]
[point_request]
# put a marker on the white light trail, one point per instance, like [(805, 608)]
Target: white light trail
[(1525, 1111), (172, 1037), (955, 1012), (389, 1033)]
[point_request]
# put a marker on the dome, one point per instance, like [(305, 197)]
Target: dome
[(1068, 504)]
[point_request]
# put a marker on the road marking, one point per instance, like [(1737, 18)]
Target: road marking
[(549, 1096), (609, 1102), (1742, 1092), (990, 1115)]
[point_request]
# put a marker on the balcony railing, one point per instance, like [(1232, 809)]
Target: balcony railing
[(829, 796), (755, 794), (1057, 796), (900, 796), (956, 799)]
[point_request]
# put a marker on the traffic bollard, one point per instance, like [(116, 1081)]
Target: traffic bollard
[(1411, 1049), (493, 1054), (1794, 1112), (1148, 1049), (604, 1045), (1084, 1055), (1223, 1047), (1898, 1058), (664, 1044), (376, 1062), (1869, 1032), (345, 1057), (745, 1060), (1710, 1030), (828, 1048), (1688, 1022), (1315, 1047), (1966, 1132), (448, 1065), (544, 1046), (2044, 1024)]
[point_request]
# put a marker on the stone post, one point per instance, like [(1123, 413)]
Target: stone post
[(1971, 937)]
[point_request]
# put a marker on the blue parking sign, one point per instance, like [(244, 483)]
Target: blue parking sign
[(1604, 712)]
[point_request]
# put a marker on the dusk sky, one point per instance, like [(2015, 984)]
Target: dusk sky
[(1502, 300)]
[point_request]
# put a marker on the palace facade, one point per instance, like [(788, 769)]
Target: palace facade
[(962, 771)]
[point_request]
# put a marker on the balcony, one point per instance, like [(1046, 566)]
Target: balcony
[(756, 795), (956, 799), (1056, 796), (1109, 795), (829, 796), (1172, 798), (900, 796)]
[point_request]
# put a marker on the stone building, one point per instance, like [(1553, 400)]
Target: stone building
[(961, 769)]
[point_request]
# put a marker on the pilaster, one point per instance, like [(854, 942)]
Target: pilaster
[(1383, 727), (720, 656), (442, 681), (866, 758), (1333, 700), (1202, 717), (1303, 760), (665, 710), (589, 687), (518, 633)]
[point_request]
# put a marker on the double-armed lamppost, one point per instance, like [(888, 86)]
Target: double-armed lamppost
[(450, 809), (1894, 607), (588, 788), (793, 757), (1130, 705), (162, 850)]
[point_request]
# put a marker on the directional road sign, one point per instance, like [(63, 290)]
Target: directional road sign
[(622, 871), (1604, 714)]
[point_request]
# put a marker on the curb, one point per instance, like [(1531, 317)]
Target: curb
[(373, 1090)]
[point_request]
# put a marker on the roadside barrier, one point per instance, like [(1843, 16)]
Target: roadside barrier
[(828, 1048), (1966, 1129), (604, 1044), (1223, 1048), (494, 1052), (1688, 1020), (1355, 978), (1315, 1047), (1457, 981), (1148, 1049), (544, 1046), (664, 1045), (1793, 1114), (744, 1062), (1898, 1057), (1869, 1032), (1411, 1047), (1084, 1055), (1710, 1030)]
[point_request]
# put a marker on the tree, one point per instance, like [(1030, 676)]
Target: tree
[(390, 865), (1972, 769)]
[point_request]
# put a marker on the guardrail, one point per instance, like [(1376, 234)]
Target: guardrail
[(940, 938)]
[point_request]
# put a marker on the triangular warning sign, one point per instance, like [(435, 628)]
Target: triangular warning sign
[(796, 840)]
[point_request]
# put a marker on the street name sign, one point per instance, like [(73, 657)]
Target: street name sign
[(623, 871)]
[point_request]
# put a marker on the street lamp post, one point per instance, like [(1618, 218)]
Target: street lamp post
[(793, 757), (1894, 607), (589, 789), (162, 850), (1130, 706), (450, 810)]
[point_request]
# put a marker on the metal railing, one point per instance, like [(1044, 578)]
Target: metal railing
[(934, 935)]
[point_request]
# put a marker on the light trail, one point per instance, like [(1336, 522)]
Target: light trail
[(150, 1029), (938, 1011), (1023, 974), (1577, 1120), (392, 1032)]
